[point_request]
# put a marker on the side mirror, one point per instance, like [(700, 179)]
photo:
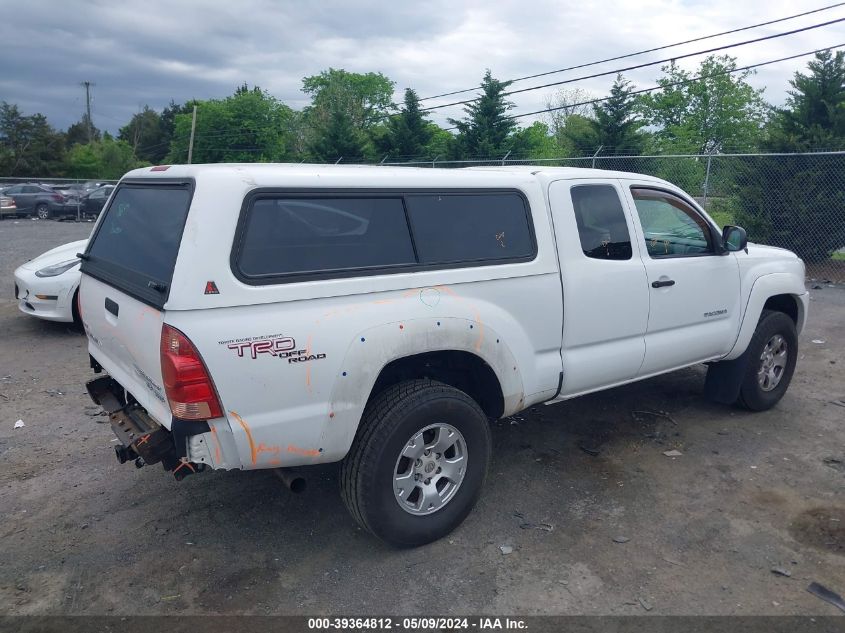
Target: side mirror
[(734, 239)]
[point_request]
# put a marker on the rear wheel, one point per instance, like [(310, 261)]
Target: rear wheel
[(42, 211), (418, 462), (773, 352)]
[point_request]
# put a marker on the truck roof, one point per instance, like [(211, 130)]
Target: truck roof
[(302, 174)]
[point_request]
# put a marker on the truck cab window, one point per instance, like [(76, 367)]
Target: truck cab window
[(601, 222), (671, 227)]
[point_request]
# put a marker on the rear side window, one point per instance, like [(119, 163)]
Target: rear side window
[(601, 222), (298, 237), (450, 228), (136, 244), (286, 236)]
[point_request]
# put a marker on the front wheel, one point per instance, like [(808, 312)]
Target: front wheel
[(772, 354), (418, 462)]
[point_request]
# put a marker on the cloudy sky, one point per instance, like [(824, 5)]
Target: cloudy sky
[(151, 51)]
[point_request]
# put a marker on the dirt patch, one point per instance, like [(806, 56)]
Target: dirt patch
[(823, 528)]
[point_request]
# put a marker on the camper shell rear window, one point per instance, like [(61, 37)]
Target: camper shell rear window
[(136, 243), (288, 236)]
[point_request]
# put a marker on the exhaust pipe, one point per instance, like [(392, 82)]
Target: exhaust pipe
[(293, 479)]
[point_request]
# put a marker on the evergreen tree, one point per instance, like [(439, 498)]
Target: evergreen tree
[(81, 132), (487, 130), (796, 201), (408, 133), (616, 124), (814, 117)]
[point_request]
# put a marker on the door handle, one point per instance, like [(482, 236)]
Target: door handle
[(112, 306), (662, 284)]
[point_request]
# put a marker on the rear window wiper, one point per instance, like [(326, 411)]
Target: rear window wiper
[(157, 285)]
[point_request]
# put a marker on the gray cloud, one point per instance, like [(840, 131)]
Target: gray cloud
[(153, 51)]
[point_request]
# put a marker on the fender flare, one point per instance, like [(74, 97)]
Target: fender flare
[(373, 349), (762, 289)]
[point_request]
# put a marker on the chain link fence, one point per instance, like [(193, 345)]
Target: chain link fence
[(795, 201)]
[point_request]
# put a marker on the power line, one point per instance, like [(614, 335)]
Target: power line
[(649, 50), (675, 83), (644, 65)]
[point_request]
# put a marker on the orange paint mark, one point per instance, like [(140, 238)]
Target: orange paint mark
[(263, 448), (144, 439), (245, 427), (274, 462), (480, 330), (216, 445), (182, 465), (303, 451)]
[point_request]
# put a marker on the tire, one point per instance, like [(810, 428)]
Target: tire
[(390, 425), (42, 211), (77, 318), (762, 389)]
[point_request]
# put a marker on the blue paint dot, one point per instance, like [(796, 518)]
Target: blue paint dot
[(470, 327), (344, 373), (497, 340), (363, 339), (438, 323)]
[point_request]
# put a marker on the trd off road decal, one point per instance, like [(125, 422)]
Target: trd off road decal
[(277, 345)]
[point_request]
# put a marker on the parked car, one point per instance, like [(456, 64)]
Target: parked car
[(46, 287), (37, 200), (7, 206), (92, 202), (273, 316)]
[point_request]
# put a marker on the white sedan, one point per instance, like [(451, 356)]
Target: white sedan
[(46, 286)]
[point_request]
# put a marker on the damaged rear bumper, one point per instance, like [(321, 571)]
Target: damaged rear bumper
[(142, 439)]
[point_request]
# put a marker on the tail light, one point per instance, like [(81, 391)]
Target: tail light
[(58, 197), (189, 388)]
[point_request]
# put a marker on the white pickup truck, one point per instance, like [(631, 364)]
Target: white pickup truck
[(278, 316)]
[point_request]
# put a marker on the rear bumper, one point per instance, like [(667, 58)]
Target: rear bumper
[(187, 447), (142, 438)]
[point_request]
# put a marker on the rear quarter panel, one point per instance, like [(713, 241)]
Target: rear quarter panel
[(286, 412)]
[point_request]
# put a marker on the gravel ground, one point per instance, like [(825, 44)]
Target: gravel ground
[(599, 520)]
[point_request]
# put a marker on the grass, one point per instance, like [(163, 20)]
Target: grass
[(722, 218), (839, 257)]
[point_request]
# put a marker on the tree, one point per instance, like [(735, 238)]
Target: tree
[(83, 131), (345, 108), (714, 111), (814, 117), (796, 201), (146, 136), (408, 133), (562, 105), (534, 141), (616, 123), (107, 158), (248, 126), (29, 146), (578, 136), (487, 129)]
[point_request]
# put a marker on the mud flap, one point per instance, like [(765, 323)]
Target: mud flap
[(724, 379)]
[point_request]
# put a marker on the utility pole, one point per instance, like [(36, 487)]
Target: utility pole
[(87, 85), (191, 142)]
